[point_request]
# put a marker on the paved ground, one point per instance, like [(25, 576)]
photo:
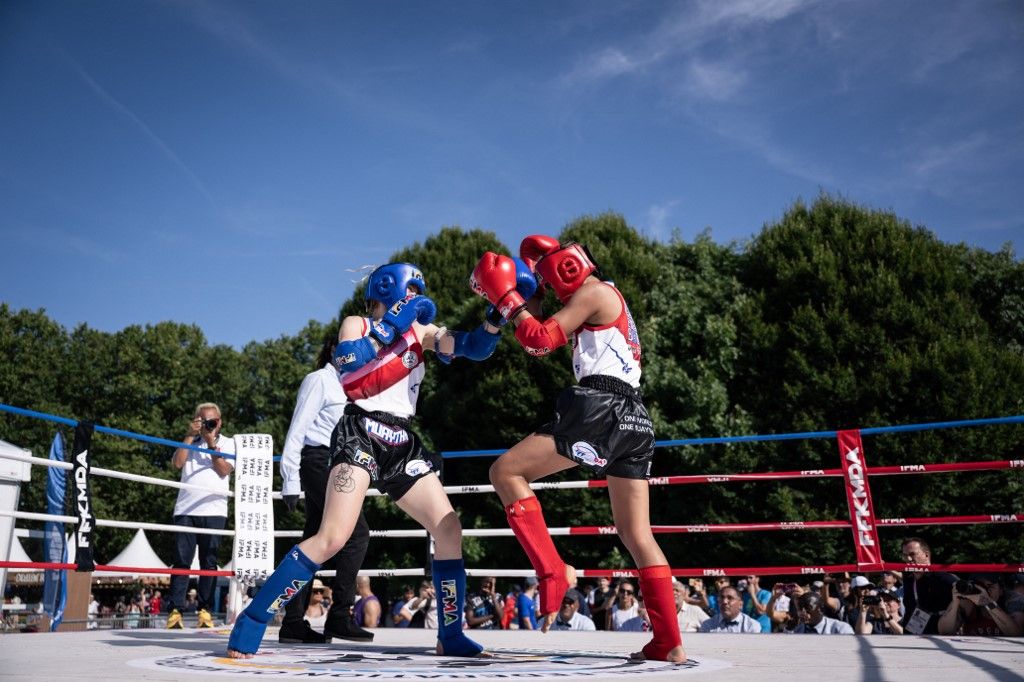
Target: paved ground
[(598, 657)]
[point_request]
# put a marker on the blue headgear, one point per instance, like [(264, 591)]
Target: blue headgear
[(389, 283)]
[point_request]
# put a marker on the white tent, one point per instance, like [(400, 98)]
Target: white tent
[(138, 554), (18, 553)]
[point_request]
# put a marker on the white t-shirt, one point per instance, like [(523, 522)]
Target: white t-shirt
[(634, 624), (429, 615), (198, 470), (620, 616)]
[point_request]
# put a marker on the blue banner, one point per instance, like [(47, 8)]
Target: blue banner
[(55, 547)]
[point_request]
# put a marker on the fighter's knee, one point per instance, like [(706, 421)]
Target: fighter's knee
[(327, 543), (493, 474), (499, 473), (448, 528)]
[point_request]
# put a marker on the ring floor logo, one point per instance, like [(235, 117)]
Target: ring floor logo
[(379, 663)]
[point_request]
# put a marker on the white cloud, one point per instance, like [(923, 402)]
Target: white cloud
[(679, 35), (658, 218), (940, 158), (720, 82), (148, 132)]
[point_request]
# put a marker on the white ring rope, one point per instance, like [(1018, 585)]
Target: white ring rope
[(131, 525), (113, 473)]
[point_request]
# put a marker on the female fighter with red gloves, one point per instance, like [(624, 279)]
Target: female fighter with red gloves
[(380, 359), (600, 424)]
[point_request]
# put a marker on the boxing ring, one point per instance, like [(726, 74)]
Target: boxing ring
[(408, 654)]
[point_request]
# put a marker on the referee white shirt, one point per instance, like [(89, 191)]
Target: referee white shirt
[(318, 409)]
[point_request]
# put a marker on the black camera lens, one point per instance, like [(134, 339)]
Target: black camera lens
[(967, 587), (210, 424), (872, 600)]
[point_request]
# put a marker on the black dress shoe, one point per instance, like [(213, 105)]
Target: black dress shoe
[(346, 628), (299, 633)]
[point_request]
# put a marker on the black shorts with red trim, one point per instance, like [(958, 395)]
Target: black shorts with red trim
[(384, 446), (602, 425)]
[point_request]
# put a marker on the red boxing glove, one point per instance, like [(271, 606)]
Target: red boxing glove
[(494, 278), (534, 247)]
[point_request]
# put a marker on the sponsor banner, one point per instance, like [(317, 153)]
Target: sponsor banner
[(254, 512), (86, 522), (858, 497), (55, 548)]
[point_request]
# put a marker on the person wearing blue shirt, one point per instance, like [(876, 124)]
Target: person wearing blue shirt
[(755, 601), (526, 604)]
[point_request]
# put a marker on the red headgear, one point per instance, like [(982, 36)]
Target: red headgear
[(564, 266)]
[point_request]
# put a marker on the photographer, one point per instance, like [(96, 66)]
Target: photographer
[(925, 595), (860, 588), (835, 590), (419, 610), (976, 609), (878, 614), (784, 595), (198, 509)]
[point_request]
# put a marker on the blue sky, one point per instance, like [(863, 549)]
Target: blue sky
[(225, 163)]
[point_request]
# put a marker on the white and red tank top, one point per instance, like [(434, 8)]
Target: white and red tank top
[(609, 349), (391, 381)]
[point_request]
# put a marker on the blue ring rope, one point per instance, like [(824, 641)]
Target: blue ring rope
[(455, 454), (114, 432)]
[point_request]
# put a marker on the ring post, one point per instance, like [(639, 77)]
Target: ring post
[(858, 498), (12, 474)]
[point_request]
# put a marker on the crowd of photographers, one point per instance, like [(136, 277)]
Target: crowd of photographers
[(917, 602), (889, 603)]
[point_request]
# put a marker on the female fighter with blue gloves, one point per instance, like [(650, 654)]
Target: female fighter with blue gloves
[(381, 361)]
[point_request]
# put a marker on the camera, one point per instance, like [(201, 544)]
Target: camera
[(967, 587), (871, 600), (210, 424)]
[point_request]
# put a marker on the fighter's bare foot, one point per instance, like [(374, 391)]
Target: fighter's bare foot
[(570, 575), (238, 654), (676, 656)]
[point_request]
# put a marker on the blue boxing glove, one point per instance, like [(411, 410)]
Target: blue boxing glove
[(400, 316), (477, 345), (526, 281)]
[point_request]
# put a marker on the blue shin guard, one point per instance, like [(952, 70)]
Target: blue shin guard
[(450, 587), (290, 576)]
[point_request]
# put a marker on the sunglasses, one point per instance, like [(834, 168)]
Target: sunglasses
[(625, 591), (568, 602)]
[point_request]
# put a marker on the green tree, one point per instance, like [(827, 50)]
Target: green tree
[(858, 319)]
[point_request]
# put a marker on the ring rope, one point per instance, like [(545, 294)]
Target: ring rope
[(114, 432), (109, 523), (607, 530), (113, 473)]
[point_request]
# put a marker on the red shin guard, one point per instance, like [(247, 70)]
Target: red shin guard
[(527, 522), (656, 585)]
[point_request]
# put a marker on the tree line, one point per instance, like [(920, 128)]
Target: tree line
[(836, 316)]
